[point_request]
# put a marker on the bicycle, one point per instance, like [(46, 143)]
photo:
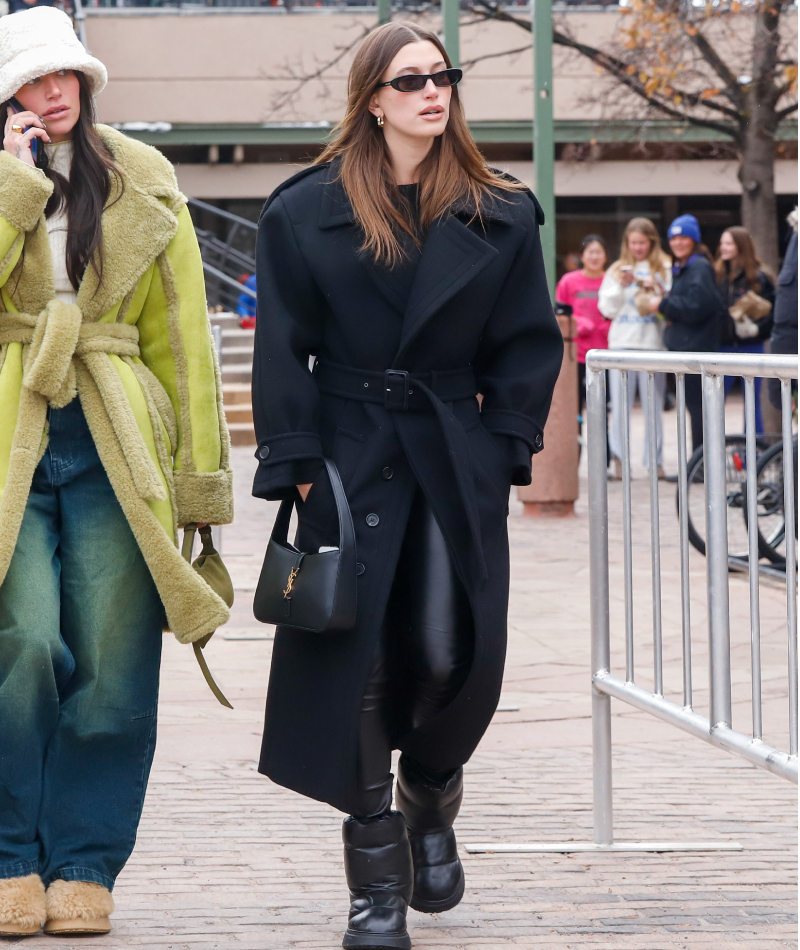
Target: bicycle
[(770, 504), (736, 481)]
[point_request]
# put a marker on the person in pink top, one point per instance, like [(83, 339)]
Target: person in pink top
[(579, 289)]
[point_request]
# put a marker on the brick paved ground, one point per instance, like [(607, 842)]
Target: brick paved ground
[(225, 859)]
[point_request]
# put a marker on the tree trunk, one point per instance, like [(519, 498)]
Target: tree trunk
[(757, 171), (757, 175)]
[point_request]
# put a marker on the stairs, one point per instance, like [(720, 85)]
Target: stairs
[(236, 362)]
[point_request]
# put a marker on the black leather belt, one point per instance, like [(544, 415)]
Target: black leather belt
[(395, 389)]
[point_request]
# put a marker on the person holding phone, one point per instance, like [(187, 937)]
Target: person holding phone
[(629, 296), (412, 273), (104, 341)]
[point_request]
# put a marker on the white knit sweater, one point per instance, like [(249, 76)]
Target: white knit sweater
[(60, 157), (630, 330)]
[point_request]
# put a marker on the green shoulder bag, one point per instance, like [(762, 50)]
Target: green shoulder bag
[(209, 566)]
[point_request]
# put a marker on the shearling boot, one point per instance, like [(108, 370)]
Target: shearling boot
[(78, 907), (22, 910), (377, 862), (430, 808)]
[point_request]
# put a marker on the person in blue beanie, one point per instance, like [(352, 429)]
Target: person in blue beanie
[(692, 308)]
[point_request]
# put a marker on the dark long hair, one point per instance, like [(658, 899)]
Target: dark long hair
[(453, 169), (746, 261), (86, 193)]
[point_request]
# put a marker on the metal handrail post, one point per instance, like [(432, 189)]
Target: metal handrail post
[(789, 476), (719, 645), (598, 585)]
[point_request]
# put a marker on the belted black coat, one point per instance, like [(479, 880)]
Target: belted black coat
[(478, 319)]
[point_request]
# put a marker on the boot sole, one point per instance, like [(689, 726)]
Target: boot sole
[(440, 906), (376, 941), (17, 930), (102, 925)]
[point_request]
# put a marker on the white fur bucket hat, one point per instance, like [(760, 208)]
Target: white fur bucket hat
[(39, 41)]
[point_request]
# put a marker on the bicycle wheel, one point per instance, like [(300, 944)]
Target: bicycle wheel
[(736, 481), (770, 504)]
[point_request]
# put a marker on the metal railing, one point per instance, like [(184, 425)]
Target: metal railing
[(717, 728), (227, 246)]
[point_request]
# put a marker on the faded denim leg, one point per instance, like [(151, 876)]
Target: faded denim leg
[(34, 663), (87, 702)]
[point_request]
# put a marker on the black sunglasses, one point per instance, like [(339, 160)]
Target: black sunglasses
[(413, 82)]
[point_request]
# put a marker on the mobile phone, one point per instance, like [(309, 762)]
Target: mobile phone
[(16, 107)]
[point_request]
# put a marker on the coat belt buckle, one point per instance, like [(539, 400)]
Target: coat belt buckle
[(395, 390)]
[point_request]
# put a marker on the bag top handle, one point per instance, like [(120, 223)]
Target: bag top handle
[(347, 535)]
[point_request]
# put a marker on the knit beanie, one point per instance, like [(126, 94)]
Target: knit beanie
[(687, 225), (39, 41)]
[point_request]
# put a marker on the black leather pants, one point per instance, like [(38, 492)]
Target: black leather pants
[(423, 659)]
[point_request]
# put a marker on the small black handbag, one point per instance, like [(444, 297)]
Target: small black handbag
[(314, 592)]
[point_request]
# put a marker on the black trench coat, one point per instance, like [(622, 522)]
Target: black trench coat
[(479, 299)]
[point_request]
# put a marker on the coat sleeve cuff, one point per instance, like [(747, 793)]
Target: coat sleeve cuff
[(204, 497), (284, 461), (518, 453), (24, 192), (505, 422), (276, 482)]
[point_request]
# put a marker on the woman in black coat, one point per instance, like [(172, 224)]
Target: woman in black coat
[(741, 279), (410, 275), (692, 309)]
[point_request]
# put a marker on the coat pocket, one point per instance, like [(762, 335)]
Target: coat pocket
[(490, 461)]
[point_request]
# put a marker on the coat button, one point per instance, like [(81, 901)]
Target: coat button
[(360, 569), (387, 473), (263, 452), (373, 520), (538, 441)]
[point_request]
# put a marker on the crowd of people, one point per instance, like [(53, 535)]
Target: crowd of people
[(686, 301)]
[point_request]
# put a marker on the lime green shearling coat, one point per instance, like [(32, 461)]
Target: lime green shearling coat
[(136, 350)]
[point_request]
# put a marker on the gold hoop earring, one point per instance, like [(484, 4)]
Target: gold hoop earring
[(381, 121)]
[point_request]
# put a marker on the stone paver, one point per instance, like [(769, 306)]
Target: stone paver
[(225, 859)]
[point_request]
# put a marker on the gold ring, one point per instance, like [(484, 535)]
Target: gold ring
[(17, 128)]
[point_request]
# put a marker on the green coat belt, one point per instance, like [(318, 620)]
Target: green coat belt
[(136, 350)]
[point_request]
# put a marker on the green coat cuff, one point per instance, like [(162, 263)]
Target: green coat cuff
[(204, 497), (24, 192)]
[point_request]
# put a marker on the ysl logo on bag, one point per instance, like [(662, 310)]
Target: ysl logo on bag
[(290, 582)]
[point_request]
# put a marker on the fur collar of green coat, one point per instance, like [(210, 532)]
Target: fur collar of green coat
[(136, 349)]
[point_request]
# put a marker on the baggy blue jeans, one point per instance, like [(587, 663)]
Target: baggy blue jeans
[(80, 648)]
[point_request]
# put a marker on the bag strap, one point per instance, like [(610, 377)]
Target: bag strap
[(189, 532), (347, 534), (201, 660)]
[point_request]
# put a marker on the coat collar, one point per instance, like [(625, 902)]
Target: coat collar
[(452, 256), (336, 209), (138, 223)]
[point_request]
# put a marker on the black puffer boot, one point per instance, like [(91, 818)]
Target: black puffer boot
[(377, 862), (430, 808)]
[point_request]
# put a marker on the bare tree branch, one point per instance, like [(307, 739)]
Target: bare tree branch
[(287, 97), (618, 69), (732, 88), (782, 114), (469, 63)]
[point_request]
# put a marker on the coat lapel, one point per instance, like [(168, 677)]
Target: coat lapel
[(138, 224), (336, 211), (453, 255)]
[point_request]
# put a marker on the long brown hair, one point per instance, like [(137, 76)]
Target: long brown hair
[(85, 194), (659, 262), (746, 261), (454, 169)]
